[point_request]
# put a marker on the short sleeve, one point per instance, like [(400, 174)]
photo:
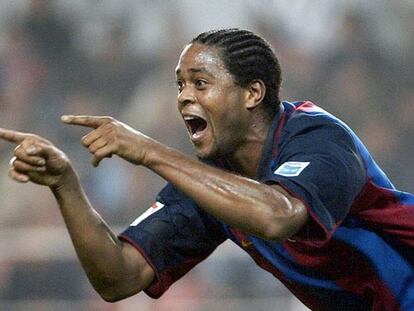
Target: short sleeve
[(320, 165), (174, 235)]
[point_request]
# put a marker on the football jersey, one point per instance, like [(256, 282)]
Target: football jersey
[(355, 252)]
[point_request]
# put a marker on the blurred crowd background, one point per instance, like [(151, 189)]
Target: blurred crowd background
[(117, 58)]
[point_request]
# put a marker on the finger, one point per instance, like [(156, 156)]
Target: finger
[(42, 150), (96, 161), (97, 144), (91, 137), (88, 121), (11, 162), (19, 177), (100, 154), (12, 136), (29, 155), (25, 168)]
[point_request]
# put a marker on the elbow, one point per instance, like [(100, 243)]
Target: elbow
[(275, 232), (110, 295), (110, 291), (110, 298)]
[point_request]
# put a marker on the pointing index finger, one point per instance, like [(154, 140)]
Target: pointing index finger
[(88, 121), (12, 136)]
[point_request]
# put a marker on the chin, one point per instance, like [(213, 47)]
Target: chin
[(205, 154), (209, 154)]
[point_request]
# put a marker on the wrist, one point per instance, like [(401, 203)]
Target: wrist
[(153, 150), (68, 180)]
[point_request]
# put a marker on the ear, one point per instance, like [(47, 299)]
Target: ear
[(256, 91)]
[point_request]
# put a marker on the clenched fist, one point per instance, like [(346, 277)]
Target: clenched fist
[(109, 137), (35, 159)]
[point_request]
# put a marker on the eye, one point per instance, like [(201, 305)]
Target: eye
[(200, 83), (180, 85)]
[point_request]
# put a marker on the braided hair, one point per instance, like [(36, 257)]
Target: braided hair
[(247, 57)]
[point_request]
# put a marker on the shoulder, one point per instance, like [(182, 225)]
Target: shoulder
[(307, 118), (306, 113)]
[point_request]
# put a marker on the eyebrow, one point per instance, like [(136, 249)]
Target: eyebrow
[(195, 70)]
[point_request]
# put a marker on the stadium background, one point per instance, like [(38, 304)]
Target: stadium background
[(354, 58)]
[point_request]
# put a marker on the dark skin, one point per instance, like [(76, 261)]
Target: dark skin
[(235, 129)]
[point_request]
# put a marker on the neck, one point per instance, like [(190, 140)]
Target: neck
[(245, 160)]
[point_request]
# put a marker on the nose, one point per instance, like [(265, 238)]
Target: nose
[(185, 97)]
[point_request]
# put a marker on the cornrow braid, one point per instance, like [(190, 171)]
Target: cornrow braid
[(247, 57)]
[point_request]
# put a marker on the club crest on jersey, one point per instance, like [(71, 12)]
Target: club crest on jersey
[(154, 208), (291, 169)]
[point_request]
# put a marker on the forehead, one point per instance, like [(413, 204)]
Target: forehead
[(198, 56)]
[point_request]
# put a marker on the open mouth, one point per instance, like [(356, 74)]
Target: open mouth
[(195, 125)]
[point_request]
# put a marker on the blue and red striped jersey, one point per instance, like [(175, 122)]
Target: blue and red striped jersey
[(355, 252)]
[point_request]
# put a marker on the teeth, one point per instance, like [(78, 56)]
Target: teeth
[(188, 118)]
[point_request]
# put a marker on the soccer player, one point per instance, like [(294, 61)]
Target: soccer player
[(288, 182)]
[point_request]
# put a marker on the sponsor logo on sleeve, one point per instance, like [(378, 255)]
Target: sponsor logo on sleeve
[(291, 169), (154, 208)]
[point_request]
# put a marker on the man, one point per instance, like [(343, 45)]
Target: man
[(288, 182)]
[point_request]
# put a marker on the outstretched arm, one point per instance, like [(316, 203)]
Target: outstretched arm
[(115, 269), (265, 211)]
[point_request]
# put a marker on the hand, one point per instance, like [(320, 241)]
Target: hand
[(35, 159), (110, 137)]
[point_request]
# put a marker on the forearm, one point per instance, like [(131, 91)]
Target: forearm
[(263, 210), (115, 269), (101, 254), (241, 202)]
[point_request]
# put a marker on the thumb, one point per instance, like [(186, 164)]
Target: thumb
[(41, 149)]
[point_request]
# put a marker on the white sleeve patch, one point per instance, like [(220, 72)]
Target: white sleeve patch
[(154, 208), (291, 169)]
